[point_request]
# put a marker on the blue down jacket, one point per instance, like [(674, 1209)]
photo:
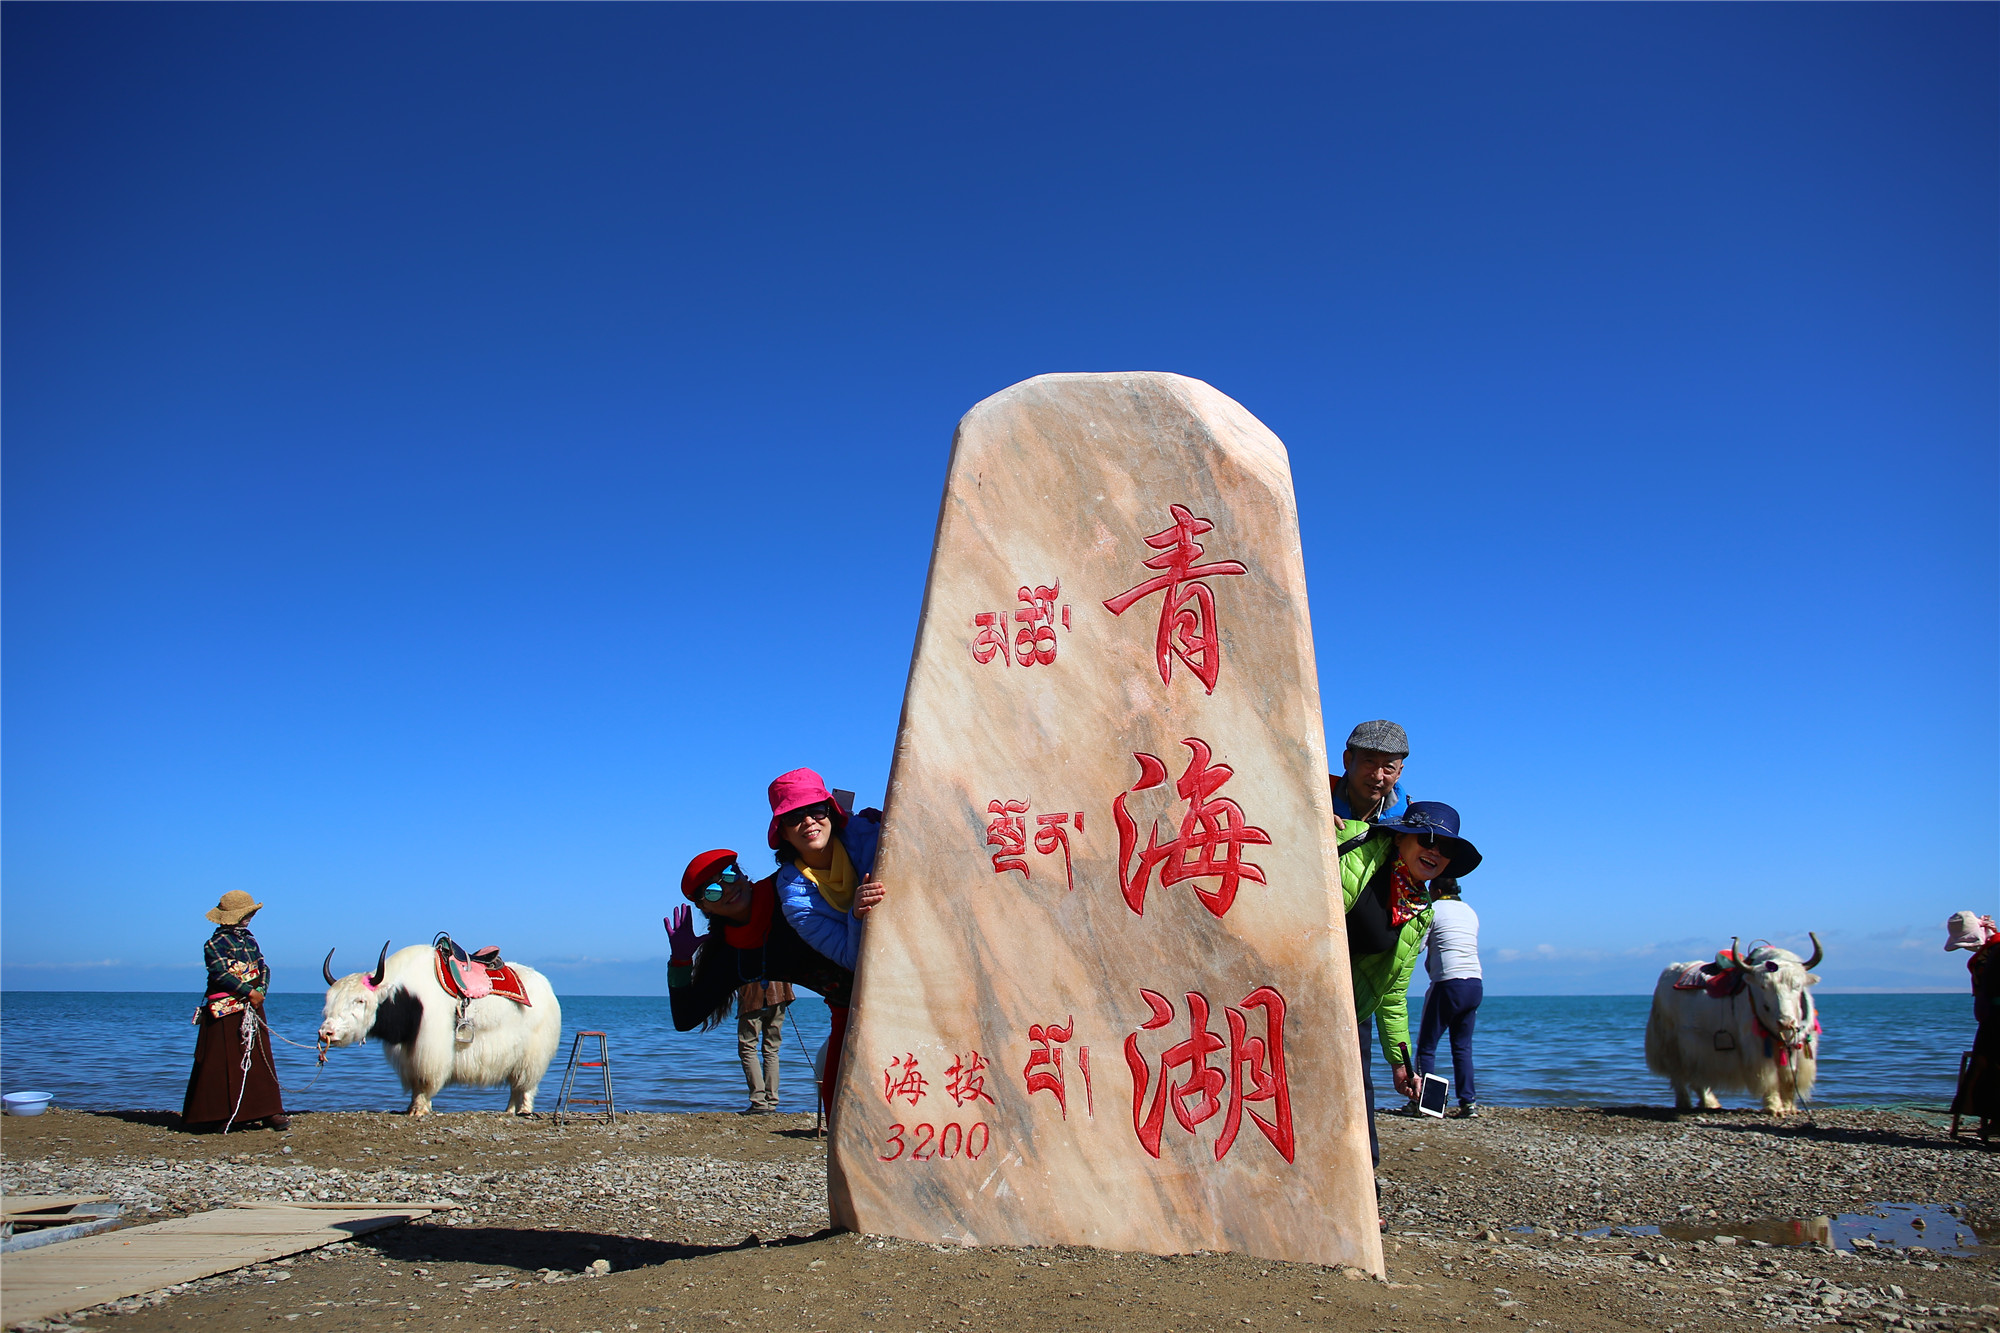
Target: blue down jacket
[(835, 933)]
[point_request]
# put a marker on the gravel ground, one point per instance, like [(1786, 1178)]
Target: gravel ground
[(1580, 1169), (715, 1221)]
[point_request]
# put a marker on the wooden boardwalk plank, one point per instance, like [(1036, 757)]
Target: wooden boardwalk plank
[(14, 1204), (71, 1275)]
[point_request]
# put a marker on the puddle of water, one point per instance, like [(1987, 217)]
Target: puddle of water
[(1941, 1228)]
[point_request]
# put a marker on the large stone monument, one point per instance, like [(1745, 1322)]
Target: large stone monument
[(1107, 1000)]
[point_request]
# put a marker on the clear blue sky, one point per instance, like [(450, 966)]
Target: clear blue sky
[(456, 455)]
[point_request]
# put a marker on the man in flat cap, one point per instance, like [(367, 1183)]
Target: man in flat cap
[(1371, 789)]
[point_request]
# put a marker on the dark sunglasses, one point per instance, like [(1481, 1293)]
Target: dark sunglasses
[(731, 876), (817, 810)]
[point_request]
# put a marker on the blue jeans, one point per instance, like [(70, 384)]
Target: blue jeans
[(1453, 1006)]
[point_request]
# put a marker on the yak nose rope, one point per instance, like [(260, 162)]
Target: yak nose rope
[(321, 1048)]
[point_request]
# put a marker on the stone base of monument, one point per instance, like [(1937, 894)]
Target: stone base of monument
[(1107, 1002)]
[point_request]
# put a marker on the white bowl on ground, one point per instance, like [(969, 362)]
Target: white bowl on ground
[(27, 1103)]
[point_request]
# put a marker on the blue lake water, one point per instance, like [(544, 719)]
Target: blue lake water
[(131, 1051)]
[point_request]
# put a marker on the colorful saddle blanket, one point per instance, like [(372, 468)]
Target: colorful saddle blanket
[(1720, 979), (476, 975)]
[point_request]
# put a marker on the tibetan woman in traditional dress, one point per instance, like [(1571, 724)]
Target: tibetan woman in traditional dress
[(234, 1080)]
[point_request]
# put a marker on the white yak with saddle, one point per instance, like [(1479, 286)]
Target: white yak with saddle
[(444, 1016), (1744, 1022)]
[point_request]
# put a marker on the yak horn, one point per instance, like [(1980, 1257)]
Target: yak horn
[(326, 967), (1736, 952), (1818, 952), (381, 966)]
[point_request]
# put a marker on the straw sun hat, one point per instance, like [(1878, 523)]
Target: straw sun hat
[(235, 908)]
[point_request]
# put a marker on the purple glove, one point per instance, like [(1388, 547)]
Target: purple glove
[(680, 934)]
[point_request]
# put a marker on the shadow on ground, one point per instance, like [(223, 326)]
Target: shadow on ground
[(151, 1119), (1803, 1128), (1659, 1115), (563, 1251)]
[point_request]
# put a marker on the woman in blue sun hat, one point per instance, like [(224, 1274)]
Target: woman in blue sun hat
[(1385, 873)]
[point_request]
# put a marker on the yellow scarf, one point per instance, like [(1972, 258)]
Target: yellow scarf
[(837, 882)]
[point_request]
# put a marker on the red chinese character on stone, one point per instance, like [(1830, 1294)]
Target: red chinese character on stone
[(910, 1083), (1044, 1071), (965, 1081), (1009, 832), (1187, 611), (1263, 1060), (1051, 831), (1213, 834), (1256, 1073), (1202, 1083)]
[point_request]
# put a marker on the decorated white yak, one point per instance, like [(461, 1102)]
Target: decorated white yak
[(1744, 1022), (433, 1038)]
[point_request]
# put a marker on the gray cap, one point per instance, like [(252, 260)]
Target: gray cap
[(1381, 736)]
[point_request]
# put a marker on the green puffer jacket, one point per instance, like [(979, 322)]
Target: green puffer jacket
[(1381, 980)]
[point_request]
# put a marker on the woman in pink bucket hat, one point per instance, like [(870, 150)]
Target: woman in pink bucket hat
[(826, 884), (1978, 1092)]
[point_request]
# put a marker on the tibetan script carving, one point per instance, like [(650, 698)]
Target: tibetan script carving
[(1034, 641)]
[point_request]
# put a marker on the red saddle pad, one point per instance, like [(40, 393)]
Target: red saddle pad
[(505, 983)]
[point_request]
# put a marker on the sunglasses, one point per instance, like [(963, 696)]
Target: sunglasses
[(731, 876), (817, 810)]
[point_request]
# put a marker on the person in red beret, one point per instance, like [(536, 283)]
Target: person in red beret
[(748, 942)]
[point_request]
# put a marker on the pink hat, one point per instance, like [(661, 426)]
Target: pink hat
[(797, 788), (1968, 930)]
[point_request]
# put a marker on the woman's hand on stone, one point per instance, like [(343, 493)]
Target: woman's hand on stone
[(868, 897)]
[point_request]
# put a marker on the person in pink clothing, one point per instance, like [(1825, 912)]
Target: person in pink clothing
[(826, 883)]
